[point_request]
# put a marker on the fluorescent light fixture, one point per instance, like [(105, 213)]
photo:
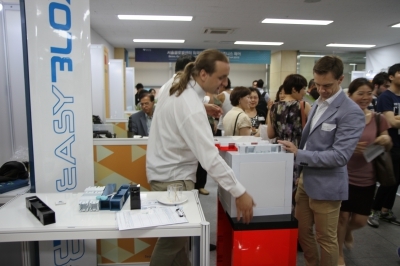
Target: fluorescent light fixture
[(352, 64), (311, 55), (296, 21), (258, 43), (351, 45), (159, 40), (1, 6), (162, 18), (396, 25)]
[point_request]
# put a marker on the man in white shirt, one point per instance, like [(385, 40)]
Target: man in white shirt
[(181, 138)]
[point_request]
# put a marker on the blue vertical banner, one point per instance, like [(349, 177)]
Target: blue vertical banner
[(170, 55), (58, 51)]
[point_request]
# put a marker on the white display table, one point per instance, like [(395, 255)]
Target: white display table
[(18, 224), (5, 197)]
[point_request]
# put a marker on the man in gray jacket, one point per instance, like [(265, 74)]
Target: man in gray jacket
[(335, 124), (140, 122)]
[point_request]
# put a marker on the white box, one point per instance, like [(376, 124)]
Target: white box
[(267, 177)]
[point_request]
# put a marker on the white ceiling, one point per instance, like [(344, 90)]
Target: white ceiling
[(355, 21)]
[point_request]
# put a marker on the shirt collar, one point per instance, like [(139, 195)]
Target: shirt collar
[(199, 90), (330, 99), (148, 117)]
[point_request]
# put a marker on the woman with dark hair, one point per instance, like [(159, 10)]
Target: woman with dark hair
[(354, 212), (280, 94), (257, 116), (236, 122), (288, 116)]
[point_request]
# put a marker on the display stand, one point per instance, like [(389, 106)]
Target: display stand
[(267, 240)]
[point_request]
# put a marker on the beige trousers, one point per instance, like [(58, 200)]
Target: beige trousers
[(170, 250), (325, 215)]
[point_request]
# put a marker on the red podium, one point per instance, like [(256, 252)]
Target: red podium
[(267, 240)]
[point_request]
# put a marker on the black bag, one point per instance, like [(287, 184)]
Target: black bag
[(383, 163), (13, 170)]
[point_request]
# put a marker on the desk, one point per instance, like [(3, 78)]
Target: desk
[(18, 224)]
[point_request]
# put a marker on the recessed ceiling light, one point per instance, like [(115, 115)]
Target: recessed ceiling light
[(396, 25), (351, 45), (310, 55), (297, 21), (258, 43), (159, 40), (162, 18), (352, 64)]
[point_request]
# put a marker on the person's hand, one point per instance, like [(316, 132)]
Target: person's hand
[(213, 110), (397, 117), (383, 140), (288, 146), (244, 207), (360, 148), (269, 103)]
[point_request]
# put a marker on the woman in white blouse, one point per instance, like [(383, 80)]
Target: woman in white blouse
[(236, 122)]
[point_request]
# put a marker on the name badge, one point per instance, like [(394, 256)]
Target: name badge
[(261, 118), (328, 127)]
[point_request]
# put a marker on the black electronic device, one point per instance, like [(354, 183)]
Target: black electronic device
[(135, 197), (40, 210)]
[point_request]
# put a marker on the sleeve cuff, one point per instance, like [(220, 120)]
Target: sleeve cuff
[(237, 190)]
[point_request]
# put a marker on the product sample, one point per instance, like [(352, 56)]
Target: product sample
[(40, 210), (135, 197)]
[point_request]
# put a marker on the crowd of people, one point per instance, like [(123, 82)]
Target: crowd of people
[(327, 130)]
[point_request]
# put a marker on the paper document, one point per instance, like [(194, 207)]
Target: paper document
[(373, 151), (150, 217)]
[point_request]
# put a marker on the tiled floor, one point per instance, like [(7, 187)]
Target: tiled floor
[(372, 247)]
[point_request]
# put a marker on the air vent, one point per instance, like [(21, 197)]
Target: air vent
[(218, 31)]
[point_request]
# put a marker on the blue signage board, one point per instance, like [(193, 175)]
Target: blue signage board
[(170, 55)]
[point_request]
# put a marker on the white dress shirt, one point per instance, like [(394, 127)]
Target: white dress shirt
[(181, 137), (321, 108)]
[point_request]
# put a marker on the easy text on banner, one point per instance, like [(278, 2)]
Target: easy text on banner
[(58, 34)]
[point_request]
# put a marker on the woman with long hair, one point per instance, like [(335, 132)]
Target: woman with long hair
[(257, 117), (354, 212)]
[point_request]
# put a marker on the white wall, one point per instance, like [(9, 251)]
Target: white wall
[(156, 74), (95, 38), (383, 58)]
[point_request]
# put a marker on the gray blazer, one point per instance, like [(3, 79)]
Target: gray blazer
[(138, 124), (330, 144)]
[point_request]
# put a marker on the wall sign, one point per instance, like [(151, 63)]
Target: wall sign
[(170, 55)]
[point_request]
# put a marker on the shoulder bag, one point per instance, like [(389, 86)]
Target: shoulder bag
[(234, 128), (383, 163)]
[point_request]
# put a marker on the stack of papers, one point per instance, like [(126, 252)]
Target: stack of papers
[(150, 217)]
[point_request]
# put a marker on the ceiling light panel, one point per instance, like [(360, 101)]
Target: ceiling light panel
[(258, 43), (158, 18), (351, 45), (296, 21), (158, 40), (396, 25)]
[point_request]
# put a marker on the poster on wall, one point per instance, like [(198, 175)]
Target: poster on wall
[(58, 41)]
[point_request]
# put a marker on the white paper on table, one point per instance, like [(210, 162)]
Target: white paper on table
[(149, 218), (373, 151)]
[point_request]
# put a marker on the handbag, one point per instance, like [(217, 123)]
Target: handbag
[(383, 163)]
